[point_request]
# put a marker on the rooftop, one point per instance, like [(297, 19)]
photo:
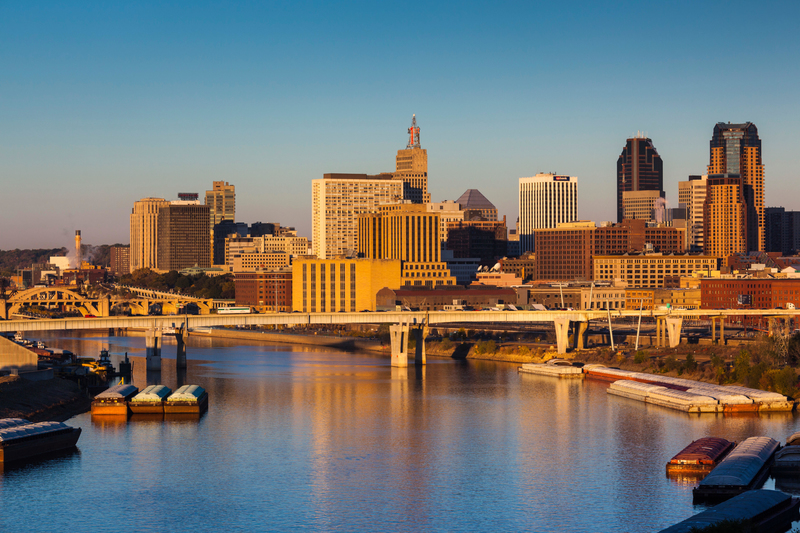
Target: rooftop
[(473, 199)]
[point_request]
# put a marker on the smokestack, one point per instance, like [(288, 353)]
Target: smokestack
[(78, 248)]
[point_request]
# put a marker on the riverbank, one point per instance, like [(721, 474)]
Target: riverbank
[(53, 399)]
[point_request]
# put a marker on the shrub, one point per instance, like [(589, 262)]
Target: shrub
[(690, 365), (485, 347), (446, 344), (640, 357), (670, 363)]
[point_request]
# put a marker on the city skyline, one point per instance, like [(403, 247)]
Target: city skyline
[(280, 97)]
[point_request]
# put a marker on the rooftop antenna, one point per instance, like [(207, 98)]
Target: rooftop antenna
[(413, 132)]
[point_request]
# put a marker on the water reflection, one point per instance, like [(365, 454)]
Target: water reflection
[(302, 438)]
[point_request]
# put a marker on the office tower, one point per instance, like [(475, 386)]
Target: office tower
[(410, 233), (476, 237), (221, 231), (336, 202), (412, 168), (782, 230), (692, 195), (449, 211), (221, 201), (545, 200), (566, 252), (183, 236), (120, 259), (144, 233), (724, 216), (736, 149), (473, 200), (640, 205), (639, 168)]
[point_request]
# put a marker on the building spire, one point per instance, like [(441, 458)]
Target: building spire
[(413, 132)]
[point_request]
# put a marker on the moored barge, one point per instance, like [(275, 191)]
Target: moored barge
[(114, 400), (766, 510), (745, 468), (700, 457), (187, 399), (552, 368), (150, 400), (20, 439)]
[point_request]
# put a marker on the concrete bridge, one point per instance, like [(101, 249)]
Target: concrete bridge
[(669, 323)]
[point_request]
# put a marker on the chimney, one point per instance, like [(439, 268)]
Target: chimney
[(78, 257)]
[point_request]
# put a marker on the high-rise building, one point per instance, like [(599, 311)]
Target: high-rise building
[(222, 231), (724, 216), (221, 201), (545, 201), (640, 205), (410, 233), (782, 230), (412, 168), (736, 149), (144, 233), (476, 202), (639, 168), (336, 202), (692, 195), (183, 236), (120, 259)]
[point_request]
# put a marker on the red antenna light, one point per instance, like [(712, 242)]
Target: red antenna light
[(413, 132)]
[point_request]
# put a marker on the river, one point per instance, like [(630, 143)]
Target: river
[(300, 438)]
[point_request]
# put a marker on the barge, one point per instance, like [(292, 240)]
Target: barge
[(766, 510), (557, 368), (728, 398), (20, 439), (114, 400), (745, 468), (192, 399), (787, 462), (665, 397), (700, 457), (150, 400)]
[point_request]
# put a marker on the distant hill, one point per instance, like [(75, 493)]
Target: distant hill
[(11, 260)]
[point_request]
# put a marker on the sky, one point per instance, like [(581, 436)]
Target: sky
[(104, 103)]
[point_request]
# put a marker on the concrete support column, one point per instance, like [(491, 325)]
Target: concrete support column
[(104, 307), (658, 332), (580, 335), (420, 357), (562, 334), (181, 337), (399, 336), (152, 342), (3, 310), (713, 329), (674, 325), (722, 330)]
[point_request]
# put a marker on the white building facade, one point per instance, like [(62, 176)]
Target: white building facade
[(545, 200)]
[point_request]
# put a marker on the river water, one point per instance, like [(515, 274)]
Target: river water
[(297, 438)]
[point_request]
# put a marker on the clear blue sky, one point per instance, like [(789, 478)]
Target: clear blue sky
[(103, 103)]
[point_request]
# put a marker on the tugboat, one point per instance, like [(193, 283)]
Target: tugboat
[(103, 367)]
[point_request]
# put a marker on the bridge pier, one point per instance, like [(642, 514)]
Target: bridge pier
[(721, 329), (420, 357), (399, 337), (152, 342), (562, 334), (181, 337), (674, 325), (580, 334)]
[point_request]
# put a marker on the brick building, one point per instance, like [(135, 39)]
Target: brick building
[(264, 290)]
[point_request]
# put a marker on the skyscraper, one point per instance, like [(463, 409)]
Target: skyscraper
[(639, 168), (183, 236), (545, 200), (724, 216), (336, 202), (736, 149), (692, 195), (221, 202), (144, 233), (409, 233), (412, 168)]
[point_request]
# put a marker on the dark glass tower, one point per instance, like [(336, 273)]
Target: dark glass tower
[(639, 168)]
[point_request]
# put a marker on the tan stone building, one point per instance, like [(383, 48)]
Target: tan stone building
[(648, 299), (248, 262), (649, 270), (579, 296), (410, 233), (692, 193), (412, 168), (724, 217), (639, 205), (144, 233), (339, 285)]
